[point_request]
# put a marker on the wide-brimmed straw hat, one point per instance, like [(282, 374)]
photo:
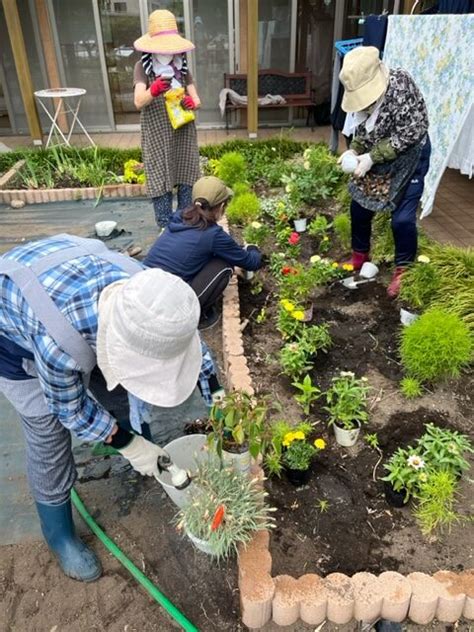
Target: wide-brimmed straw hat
[(364, 77), (147, 338), (163, 36)]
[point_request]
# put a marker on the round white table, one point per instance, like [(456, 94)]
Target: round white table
[(62, 95)]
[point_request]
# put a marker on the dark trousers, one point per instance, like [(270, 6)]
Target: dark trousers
[(163, 205), (210, 282), (403, 217)]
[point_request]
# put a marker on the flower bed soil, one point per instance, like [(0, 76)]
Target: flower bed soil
[(358, 531)]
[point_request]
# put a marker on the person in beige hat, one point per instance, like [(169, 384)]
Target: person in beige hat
[(197, 249), (388, 121), (90, 341), (170, 156)]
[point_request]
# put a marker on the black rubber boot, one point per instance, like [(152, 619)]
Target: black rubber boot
[(75, 558)]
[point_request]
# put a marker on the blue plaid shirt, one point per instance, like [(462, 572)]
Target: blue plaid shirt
[(75, 287)]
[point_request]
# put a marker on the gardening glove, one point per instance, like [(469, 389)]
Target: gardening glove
[(349, 152), (188, 103), (365, 165), (143, 455), (159, 86)]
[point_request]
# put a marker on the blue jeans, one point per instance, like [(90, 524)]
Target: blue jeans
[(403, 217), (163, 205)]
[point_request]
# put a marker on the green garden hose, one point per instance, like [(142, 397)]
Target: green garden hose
[(157, 595)]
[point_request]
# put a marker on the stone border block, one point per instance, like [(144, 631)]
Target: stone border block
[(313, 599), (451, 597), (396, 591), (424, 598), (286, 603), (368, 597)]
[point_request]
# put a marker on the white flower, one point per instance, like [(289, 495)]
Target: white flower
[(416, 462), (274, 148), (307, 165), (306, 153), (452, 448), (256, 225), (423, 259), (347, 374), (288, 188), (315, 259)]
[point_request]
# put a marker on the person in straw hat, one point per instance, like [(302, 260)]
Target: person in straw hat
[(90, 341), (390, 152), (171, 157)]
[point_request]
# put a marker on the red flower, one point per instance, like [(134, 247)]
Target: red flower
[(293, 239), (218, 518), (288, 270)]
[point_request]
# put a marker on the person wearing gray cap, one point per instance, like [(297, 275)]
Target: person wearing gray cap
[(76, 320), (194, 247)]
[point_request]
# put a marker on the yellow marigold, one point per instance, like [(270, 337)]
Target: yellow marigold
[(320, 444), (335, 264), (348, 266), (299, 434), (287, 305), (325, 238), (288, 438), (298, 314)]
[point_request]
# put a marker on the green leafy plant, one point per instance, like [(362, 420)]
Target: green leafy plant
[(319, 226), (287, 325), (294, 359), (261, 316), (226, 508), (231, 168), (133, 172), (406, 470), (436, 346), (316, 338), (445, 449), (256, 233), (239, 422), (436, 502), (383, 245), (411, 388), (322, 505), (342, 228), (347, 400), (308, 394), (278, 431), (420, 283), (243, 208), (299, 450), (372, 440)]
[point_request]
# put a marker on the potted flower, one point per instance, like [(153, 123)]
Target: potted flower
[(298, 455), (239, 429), (227, 507), (445, 449), (406, 470), (347, 406)]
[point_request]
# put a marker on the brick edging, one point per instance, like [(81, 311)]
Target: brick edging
[(336, 597)]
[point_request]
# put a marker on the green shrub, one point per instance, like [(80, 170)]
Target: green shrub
[(243, 209), (342, 227), (436, 502), (436, 346), (411, 388), (420, 284), (231, 168), (239, 188)]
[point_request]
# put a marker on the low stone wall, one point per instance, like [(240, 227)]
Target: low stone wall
[(338, 598), (40, 196)]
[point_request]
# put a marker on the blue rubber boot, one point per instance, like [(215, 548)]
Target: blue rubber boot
[(74, 557)]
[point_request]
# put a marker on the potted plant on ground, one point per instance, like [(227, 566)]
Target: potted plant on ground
[(227, 507), (406, 470), (298, 455), (239, 429), (347, 406)]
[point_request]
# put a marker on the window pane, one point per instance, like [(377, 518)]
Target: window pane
[(80, 57), (274, 21)]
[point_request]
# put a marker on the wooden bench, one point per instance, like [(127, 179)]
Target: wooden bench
[(294, 87)]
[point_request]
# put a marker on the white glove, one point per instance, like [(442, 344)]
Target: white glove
[(349, 152), (218, 395), (143, 455), (365, 165)]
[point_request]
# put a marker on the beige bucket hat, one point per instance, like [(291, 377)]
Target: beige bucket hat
[(211, 189), (147, 339), (364, 77), (163, 36)]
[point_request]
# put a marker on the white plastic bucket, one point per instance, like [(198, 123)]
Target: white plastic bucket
[(300, 224), (184, 452), (346, 438), (203, 545)]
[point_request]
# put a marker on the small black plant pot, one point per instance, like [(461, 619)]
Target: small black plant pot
[(297, 477), (395, 499)]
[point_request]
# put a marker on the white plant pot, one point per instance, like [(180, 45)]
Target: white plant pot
[(300, 224), (106, 228), (240, 461), (407, 317), (347, 438), (369, 270), (248, 274), (203, 545)]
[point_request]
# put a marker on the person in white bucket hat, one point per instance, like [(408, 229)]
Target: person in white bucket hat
[(89, 342)]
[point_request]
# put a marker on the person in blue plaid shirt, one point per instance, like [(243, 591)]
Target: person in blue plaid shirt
[(90, 341)]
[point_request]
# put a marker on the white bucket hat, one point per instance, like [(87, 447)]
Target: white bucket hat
[(147, 338)]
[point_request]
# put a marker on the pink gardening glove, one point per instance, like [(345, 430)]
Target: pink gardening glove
[(159, 86), (188, 103)]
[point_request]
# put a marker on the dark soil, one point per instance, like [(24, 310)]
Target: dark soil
[(341, 521)]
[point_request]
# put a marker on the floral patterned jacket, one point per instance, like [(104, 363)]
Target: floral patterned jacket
[(402, 121)]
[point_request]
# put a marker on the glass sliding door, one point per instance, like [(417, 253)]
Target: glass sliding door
[(210, 34), (79, 55), (120, 23)]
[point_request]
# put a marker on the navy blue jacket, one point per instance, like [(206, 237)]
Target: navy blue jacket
[(184, 250)]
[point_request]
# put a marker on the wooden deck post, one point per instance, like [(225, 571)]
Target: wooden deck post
[(252, 68), (17, 42)]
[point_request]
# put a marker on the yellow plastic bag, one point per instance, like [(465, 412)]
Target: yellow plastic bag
[(177, 114)]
